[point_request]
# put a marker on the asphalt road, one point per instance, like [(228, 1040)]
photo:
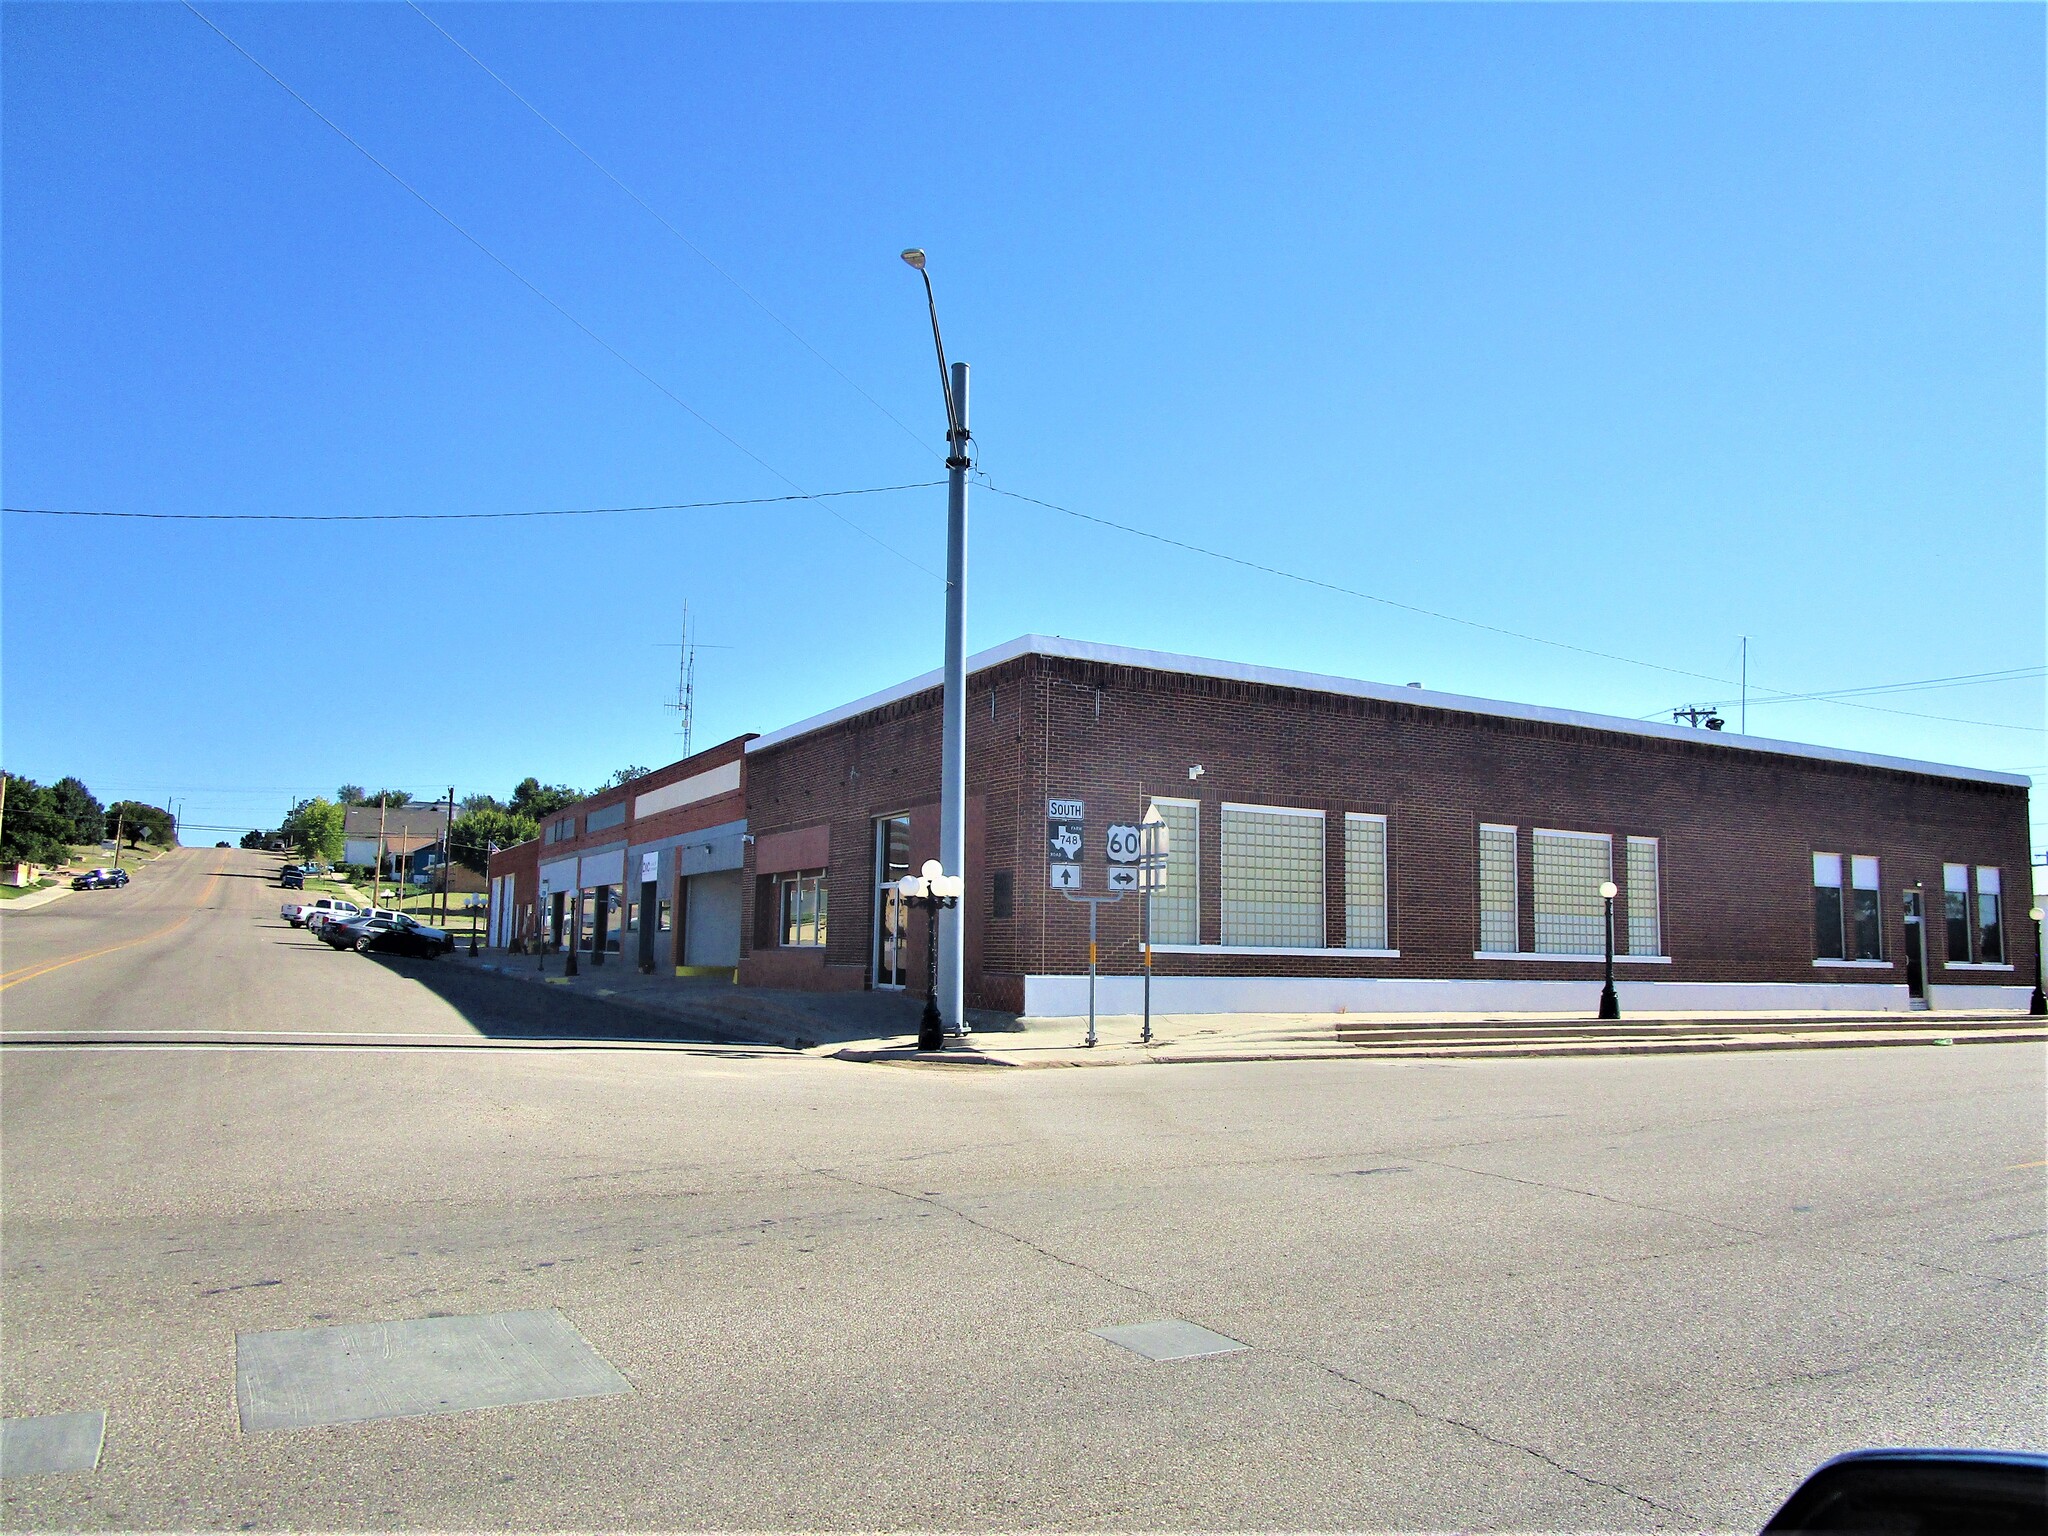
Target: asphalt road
[(1622, 1293)]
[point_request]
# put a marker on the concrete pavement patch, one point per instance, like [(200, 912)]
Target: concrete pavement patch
[(1169, 1339), (302, 1377), (54, 1442)]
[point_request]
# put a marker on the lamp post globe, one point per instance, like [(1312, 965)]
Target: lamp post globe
[(1610, 1003), (2037, 1005)]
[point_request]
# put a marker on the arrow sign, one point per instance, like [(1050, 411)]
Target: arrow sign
[(1123, 877)]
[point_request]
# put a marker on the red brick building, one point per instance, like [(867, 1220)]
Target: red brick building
[(1348, 845), (646, 874)]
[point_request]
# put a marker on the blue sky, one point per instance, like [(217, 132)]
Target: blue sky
[(1639, 328)]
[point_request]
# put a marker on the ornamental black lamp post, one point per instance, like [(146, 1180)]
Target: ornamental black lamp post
[(935, 891), (1610, 1005), (2038, 1006)]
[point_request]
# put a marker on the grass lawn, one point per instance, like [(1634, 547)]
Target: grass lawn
[(426, 907), (11, 892)]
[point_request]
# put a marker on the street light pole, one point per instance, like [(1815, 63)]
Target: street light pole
[(1610, 1004), (953, 705), (2037, 1006), (938, 893)]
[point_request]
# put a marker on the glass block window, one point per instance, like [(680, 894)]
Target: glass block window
[(1827, 906), (1645, 904), (1571, 919), (1272, 877), (1866, 926), (1365, 882), (1176, 905), (1990, 917), (1955, 911), (1497, 925)]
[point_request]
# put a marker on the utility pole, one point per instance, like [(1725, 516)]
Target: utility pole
[(118, 822), (377, 880), (953, 704), (447, 846)]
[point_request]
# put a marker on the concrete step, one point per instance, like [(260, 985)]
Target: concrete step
[(1593, 1046), (1663, 1030)]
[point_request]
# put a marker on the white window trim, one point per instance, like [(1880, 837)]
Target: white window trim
[(1591, 837), (1273, 810), (1856, 965), (1386, 880), (1196, 807), (1599, 959), (1974, 965), (1324, 857), (1272, 949)]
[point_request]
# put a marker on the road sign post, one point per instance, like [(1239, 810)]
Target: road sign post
[(1093, 903), (1155, 843)]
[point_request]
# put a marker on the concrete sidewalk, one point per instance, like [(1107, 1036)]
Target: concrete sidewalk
[(1310, 1037), (799, 1021), (881, 1027)]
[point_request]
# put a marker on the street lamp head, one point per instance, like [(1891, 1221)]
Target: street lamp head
[(932, 870), (914, 257), (2034, 913), (1609, 890), (947, 887), (910, 887)]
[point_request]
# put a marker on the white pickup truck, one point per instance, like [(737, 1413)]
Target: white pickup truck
[(298, 912)]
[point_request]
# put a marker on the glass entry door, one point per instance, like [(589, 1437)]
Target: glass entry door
[(1916, 948), (892, 926)]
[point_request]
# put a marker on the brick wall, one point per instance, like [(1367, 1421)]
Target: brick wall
[(1736, 828)]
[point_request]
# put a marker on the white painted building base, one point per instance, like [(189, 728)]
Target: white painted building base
[(1067, 996), (2012, 999)]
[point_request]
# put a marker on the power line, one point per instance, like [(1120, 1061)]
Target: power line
[(694, 248), (461, 517), (533, 287), (1452, 618)]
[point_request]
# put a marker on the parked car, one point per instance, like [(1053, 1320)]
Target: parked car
[(343, 912), (99, 879), (297, 912), (292, 880), (393, 935)]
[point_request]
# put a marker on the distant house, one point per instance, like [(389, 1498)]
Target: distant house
[(411, 836)]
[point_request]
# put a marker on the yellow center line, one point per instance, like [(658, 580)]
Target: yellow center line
[(31, 972), (2016, 1167)]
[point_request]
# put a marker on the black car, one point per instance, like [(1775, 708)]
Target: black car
[(292, 880), (99, 879), (389, 936)]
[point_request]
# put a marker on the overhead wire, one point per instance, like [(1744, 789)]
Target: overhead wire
[(695, 249), (1776, 695), (462, 517), (533, 287)]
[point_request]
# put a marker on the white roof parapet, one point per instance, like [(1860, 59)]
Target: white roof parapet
[(1389, 693)]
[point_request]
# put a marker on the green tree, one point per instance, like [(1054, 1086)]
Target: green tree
[(471, 835), (85, 815), (314, 828), (625, 775), (391, 798), (34, 829), (138, 821), (350, 794), (532, 798), (256, 838), (479, 802)]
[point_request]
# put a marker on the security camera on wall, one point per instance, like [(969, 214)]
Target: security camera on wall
[(1197, 771)]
